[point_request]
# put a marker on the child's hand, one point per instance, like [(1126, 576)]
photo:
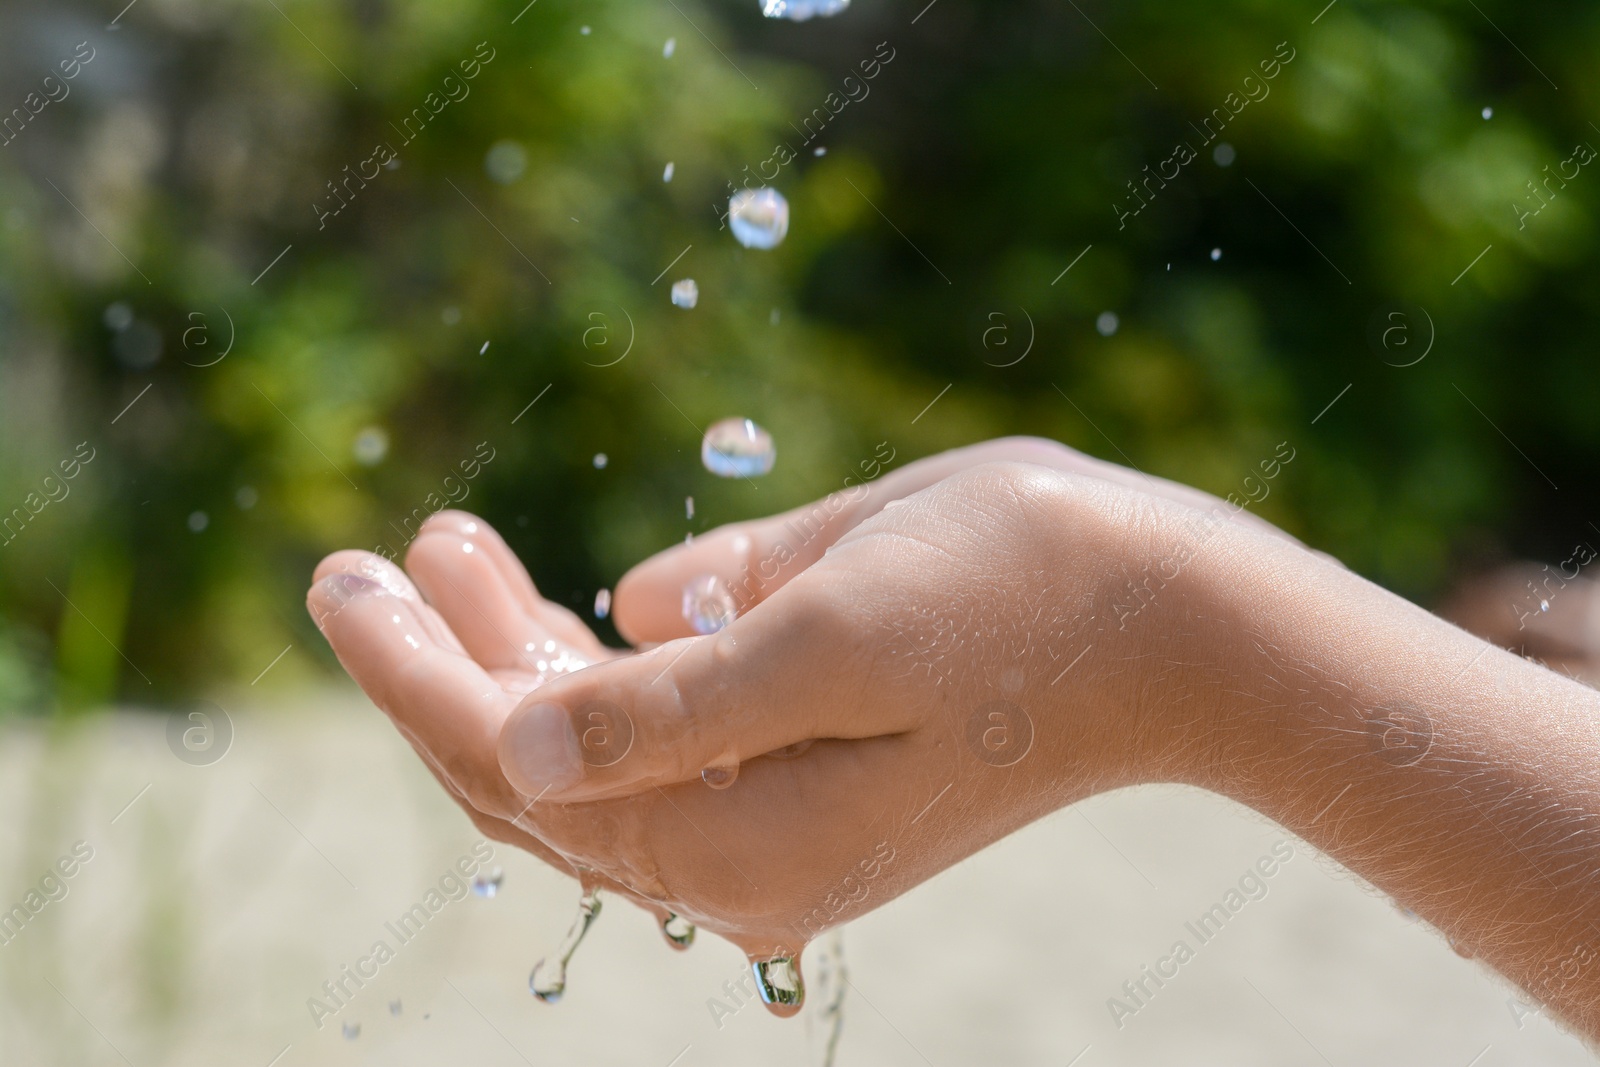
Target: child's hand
[(945, 650)]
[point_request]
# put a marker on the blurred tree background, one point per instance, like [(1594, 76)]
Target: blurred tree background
[(170, 209)]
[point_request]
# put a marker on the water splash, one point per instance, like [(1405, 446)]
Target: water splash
[(548, 981), (678, 931)]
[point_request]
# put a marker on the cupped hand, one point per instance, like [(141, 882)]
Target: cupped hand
[(935, 679)]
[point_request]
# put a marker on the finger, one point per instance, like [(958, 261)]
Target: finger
[(564, 624), (754, 559), (393, 580), (437, 696), (470, 592), (666, 716)]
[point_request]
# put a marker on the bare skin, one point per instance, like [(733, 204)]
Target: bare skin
[(934, 660)]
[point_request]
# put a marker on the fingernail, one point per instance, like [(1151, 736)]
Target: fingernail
[(540, 750)]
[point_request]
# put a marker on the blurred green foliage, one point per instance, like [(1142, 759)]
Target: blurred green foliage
[(991, 151)]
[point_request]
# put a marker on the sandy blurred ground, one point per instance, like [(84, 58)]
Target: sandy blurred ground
[(219, 900)]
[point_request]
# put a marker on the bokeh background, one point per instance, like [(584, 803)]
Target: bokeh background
[(258, 384)]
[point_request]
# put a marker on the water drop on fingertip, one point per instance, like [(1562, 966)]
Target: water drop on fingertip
[(678, 931), (779, 984), (720, 777)]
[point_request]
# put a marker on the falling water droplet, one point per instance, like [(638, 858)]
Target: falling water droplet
[(773, 318), (708, 606), (602, 603), (370, 446), (779, 983), (1488, 113), (688, 507), (666, 172), (198, 521), (487, 883), (678, 931), (1107, 323), (1216, 254), (830, 983), (801, 10), (737, 448), (819, 151), (1544, 605), (584, 30), (548, 981), (351, 1031), (720, 777), (670, 47), (600, 461), (685, 293), (394, 1007), (759, 218), (484, 349), (1224, 155)]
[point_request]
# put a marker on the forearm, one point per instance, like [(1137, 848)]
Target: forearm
[(1459, 778)]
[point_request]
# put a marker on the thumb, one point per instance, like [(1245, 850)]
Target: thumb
[(777, 677)]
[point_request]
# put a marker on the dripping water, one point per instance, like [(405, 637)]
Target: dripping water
[(778, 982), (548, 981), (829, 984), (678, 931)]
